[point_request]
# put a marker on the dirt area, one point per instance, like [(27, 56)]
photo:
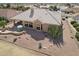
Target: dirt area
[(9, 49)]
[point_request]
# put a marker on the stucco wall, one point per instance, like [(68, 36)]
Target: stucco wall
[(36, 24), (45, 27)]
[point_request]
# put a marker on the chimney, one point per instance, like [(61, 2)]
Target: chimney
[(31, 13)]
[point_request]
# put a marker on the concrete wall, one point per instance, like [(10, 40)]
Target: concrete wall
[(45, 27), (36, 24)]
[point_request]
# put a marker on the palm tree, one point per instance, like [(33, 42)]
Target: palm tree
[(55, 31), (8, 5)]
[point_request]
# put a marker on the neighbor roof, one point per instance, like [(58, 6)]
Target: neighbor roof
[(43, 15), (8, 13)]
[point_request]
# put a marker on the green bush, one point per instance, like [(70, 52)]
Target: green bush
[(77, 36), (53, 8), (75, 25), (73, 22), (2, 23), (55, 31), (77, 28)]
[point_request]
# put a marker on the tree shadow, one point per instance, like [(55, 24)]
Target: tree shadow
[(58, 41), (39, 35)]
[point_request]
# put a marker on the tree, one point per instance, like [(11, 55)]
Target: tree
[(55, 31), (53, 8), (77, 35), (3, 22), (69, 5), (8, 5)]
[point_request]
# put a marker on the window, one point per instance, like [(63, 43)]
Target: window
[(38, 28), (30, 25), (26, 25)]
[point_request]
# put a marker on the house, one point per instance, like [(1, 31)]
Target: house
[(39, 19), (74, 9)]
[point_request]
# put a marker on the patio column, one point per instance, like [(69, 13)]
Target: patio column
[(23, 23), (14, 22)]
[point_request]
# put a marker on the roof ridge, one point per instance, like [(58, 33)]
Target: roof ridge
[(52, 16)]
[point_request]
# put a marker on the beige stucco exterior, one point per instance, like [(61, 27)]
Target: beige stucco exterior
[(45, 27), (35, 24)]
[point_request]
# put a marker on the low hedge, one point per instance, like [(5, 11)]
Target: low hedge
[(73, 22), (77, 28), (76, 25)]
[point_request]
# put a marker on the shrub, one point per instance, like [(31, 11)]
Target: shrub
[(63, 19), (55, 31), (75, 25), (77, 28), (27, 8), (73, 22), (50, 7), (77, 36), (8, 5), (2, 23), (53, 8)]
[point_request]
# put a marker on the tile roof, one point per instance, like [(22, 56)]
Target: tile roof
[(43, 15)]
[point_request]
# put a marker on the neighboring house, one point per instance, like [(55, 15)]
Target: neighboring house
[(74, 9), (8, 13), (39, 19)]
